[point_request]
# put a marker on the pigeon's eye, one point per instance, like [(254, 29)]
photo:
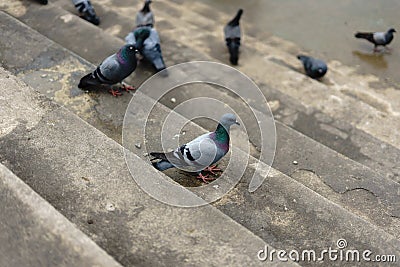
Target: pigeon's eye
[(131, 48)]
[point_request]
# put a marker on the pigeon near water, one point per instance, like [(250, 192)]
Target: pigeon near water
[(113, 70), (233, 35), (377, 38), (86, 11), (145, 16), (314, 68), (147, 41), (200, 153)]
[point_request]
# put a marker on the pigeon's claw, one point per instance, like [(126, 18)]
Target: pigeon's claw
[(205, 178), (128, 87), (212, 169), (115, 92)]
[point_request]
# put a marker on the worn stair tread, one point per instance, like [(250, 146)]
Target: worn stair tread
[(35, 234)]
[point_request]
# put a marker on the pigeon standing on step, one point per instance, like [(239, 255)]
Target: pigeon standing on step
[(145, 16), (377, 38), (200, 153), (147, 41), (232, 35), (86, 11), (314, 68), (114, 69)]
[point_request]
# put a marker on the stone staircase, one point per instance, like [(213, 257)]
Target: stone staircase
[(345, 184)]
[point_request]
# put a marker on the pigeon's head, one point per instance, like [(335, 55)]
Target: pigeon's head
[(391, 30), (128, 51), (146, 7), (228, 120), (301, 57)]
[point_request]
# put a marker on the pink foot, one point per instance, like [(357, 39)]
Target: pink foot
[(212, 169), (128, 87), (114, 92), (205, 178)]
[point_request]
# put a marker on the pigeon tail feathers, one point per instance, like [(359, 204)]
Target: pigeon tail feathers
[(365, 35)]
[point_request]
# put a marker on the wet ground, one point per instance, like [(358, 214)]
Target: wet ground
[(326, 28)]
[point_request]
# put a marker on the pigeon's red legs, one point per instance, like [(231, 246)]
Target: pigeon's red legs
[(212, 169), (205, 178), (128, 87), (114, 92)]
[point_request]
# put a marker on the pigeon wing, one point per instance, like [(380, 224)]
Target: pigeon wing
[(379, 38), (194, 156)]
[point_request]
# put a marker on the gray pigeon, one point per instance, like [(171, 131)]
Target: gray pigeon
[(232, 35), (147, 41), (200, 153), (145, 16), (86, 11), (314, 68), (114, 69), (377, 38)]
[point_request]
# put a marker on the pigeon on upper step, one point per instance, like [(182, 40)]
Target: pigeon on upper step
[(314, 68), (232, 35), (377, 38), (147, 41), (113, 70), (200, 153), (86, 11), (145, 16)]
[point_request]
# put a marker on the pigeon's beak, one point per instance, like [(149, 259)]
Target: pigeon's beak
[(237, 123)]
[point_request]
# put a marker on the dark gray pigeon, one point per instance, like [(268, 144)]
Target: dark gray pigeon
[(114, 69), (314, 68), (232, 35), (200, 153), (147, 41), (86, 11), (377, 38), (145, 16)]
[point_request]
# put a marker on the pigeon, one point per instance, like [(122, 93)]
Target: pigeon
[(145, 16), (377, 38), (86, 11), (114, 69), (232, 35), (147, 41), (314, 68), (200, 153)]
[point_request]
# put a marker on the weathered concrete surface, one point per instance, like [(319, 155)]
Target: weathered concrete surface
[(33, 233), (365, 229), (385, 190), (143, 231), (81, 173)]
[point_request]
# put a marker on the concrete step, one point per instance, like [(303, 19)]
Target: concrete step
[(386, 194), (82, 173), (35, 234), (363, 228), (384, 190)]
